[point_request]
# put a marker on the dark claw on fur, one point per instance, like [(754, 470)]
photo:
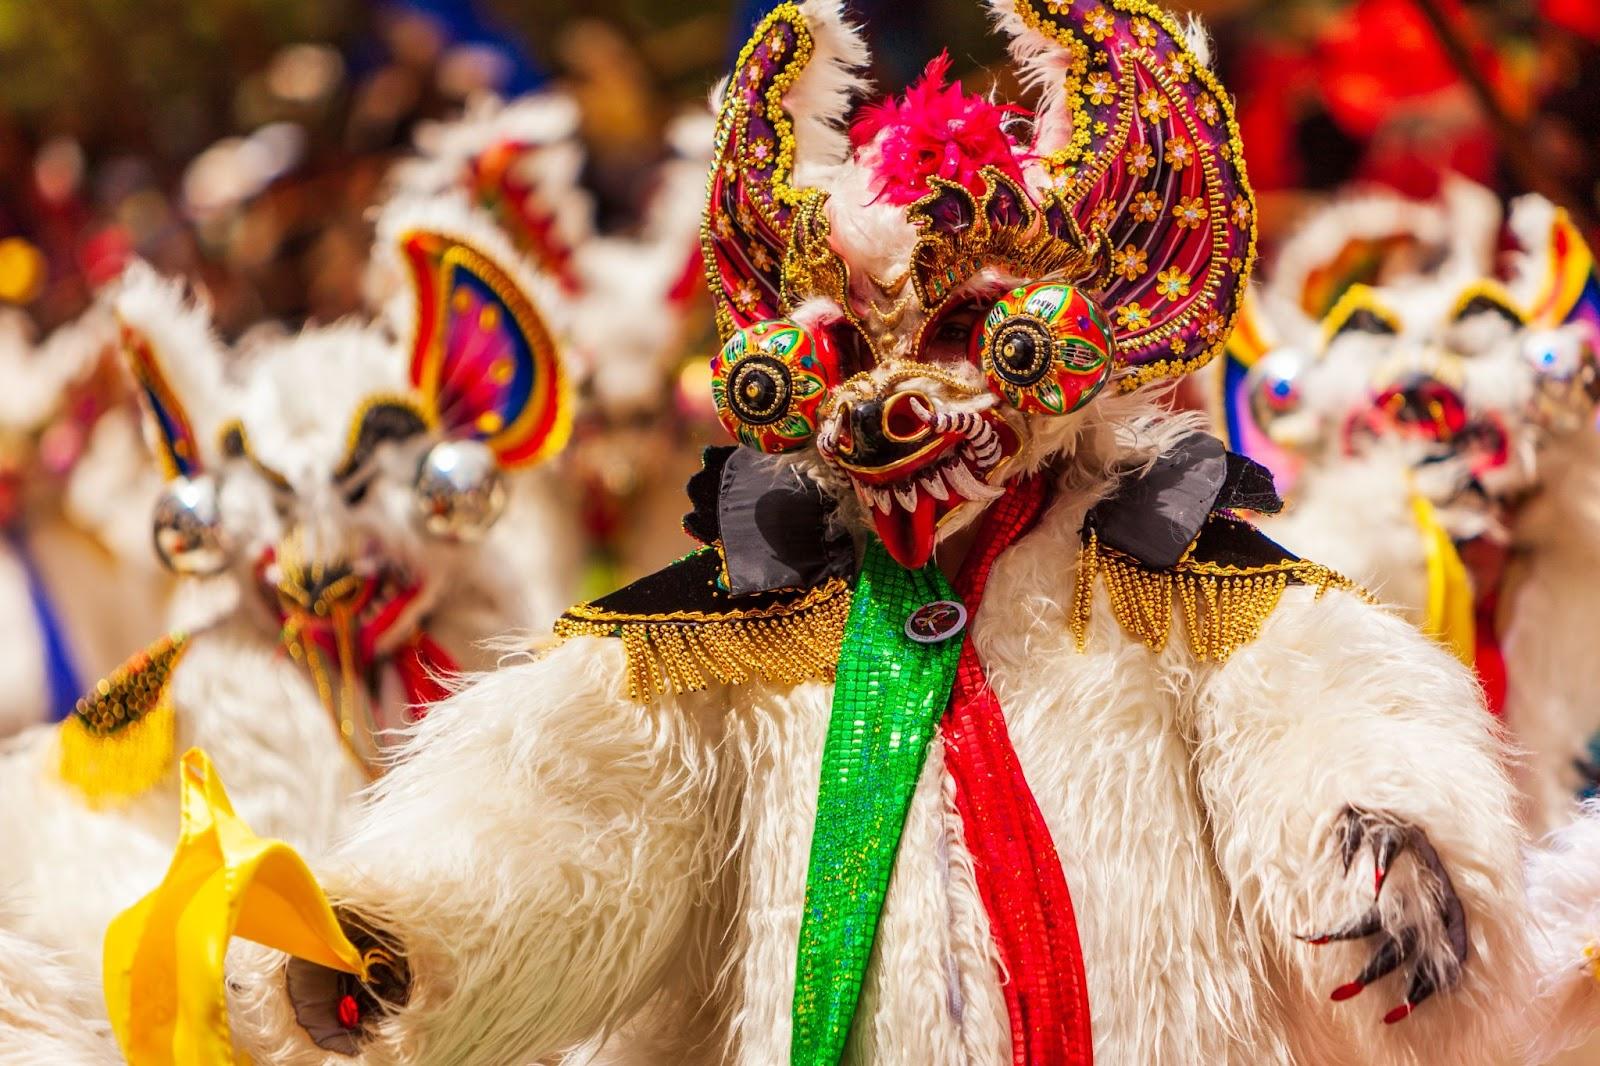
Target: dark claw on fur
[(1423, 985), (1387, 844), (1350, 838), (1359, 929), (1388, 840), (1390, 954)]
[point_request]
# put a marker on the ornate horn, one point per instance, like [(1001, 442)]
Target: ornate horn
[(1136, 137), (778, 115)]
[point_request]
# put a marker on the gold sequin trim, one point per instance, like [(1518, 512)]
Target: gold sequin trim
[(1224, 607), (685, 651), (118, 741)]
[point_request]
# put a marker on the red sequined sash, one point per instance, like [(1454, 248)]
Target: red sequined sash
[(1019, 874)]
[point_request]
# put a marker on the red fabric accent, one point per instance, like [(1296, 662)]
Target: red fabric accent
[(422, 664), (1489, 660), (349, 1012), (1486, 564), (1019, 874)]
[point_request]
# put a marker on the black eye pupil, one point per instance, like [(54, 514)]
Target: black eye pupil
[(760, 393), (1021, 352)]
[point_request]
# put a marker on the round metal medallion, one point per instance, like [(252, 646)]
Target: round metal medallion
[(935, 622)]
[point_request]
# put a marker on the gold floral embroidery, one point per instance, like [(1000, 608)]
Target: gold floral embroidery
[(1240, 211), (1130, 262), (1101, 88), (1180, 153), (1133, 317), (1154, 106), (1140, 159), (1173, 283), (1190, 212), (1098, 23), (1146, 207)]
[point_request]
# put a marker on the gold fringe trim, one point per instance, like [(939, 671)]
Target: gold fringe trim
[(118, 741), (1224, 607), (686, 651)]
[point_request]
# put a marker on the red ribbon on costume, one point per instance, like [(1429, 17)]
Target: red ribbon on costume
[(423, 667), (1486, 565), (1018, 871)]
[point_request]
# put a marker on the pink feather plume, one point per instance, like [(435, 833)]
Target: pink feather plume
[(937, 129)]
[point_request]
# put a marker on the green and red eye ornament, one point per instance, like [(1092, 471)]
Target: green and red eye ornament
[(769, 380), (1046, 348)]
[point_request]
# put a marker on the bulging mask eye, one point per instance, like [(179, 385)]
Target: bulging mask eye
[(459, 490), (1046, 348), (769, 380), (1275, 387), (188, 530)]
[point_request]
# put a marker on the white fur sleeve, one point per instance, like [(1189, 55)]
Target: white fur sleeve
[(535, 855), (1339, 705)]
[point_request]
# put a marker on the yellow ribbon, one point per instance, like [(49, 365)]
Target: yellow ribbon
[(164, 955), (1449, 613)]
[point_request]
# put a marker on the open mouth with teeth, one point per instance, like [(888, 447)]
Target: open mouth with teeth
[(944, 463)]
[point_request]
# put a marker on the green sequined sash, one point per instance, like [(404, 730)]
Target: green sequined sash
[(888, 697)]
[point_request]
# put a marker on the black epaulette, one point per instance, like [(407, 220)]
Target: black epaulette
[(1173, 532), (767, 596)]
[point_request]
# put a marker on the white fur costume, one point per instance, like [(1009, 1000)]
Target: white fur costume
[(79, 515), (555, 859), (1530, 489), (308, 482)]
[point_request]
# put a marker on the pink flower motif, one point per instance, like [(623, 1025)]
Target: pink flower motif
[(937, 130)]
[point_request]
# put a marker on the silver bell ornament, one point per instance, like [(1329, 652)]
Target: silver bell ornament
[(460, 490), (188, 527), (1566, 377), (1275, 387)]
